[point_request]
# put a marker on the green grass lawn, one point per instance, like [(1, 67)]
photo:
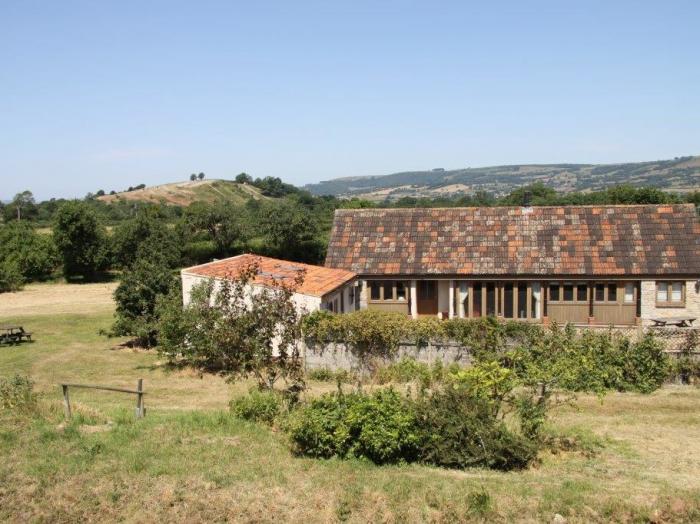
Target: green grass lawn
[(636, 459)]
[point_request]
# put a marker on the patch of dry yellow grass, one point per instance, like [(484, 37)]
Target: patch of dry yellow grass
[(57, 299)]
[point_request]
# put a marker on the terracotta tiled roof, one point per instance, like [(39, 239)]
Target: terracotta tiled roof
[(570, 240), (318, 280)]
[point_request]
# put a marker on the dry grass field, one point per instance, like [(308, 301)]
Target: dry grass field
[(634, 458)]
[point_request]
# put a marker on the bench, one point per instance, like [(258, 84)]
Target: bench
[(14, 335), (673, 321)]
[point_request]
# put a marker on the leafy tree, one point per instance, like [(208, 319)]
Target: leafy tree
[(23, 206), (193, 177), (200, 176), (221, 223), (80, 239), (10, 276), (147, 280), (225, 329), (291, 232), (33, 255), (244, 178), (146, 235)]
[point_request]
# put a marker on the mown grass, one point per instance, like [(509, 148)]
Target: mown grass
[(628, 457)]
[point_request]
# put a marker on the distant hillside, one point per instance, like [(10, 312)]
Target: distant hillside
[(681, 174), (184, 193)]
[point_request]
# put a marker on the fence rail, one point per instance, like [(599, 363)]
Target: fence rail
[(139, 392)]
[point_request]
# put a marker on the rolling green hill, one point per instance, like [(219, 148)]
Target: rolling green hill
[(680, 174), (184, 193)]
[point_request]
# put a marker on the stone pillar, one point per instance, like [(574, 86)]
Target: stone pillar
[(414, 299), (363, 294)]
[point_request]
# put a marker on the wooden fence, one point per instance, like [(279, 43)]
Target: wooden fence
[(139, 392)]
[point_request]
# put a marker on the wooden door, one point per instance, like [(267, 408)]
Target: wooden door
[(427, 297)]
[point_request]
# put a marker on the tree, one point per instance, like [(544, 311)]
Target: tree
[(193, 177), (146, 235), (244, 178), (22, 206), (33, 255), (200, 176), (291, 232), (221, 223), (224, 329), (80, 239), (148, 280)]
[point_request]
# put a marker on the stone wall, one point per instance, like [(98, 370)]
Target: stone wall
[(649, 309)]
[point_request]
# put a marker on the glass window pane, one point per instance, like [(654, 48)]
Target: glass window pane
[(491, 299), (374, 290), (568, 292), (629, 292), (400, 291), (581, 292), (477, 300), (388, 290), (554, 291), (662, 291), (535, 301), (677, 291), (600, 292), (508, 300), (612, 292), (522, 300)]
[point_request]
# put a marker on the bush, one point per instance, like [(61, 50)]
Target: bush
[(257, 406), (10, 277), (380, 427), (17, 393), (458, 430), (329, 375), (449, 428)]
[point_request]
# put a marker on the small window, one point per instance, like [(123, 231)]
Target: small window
[(388, 290), (554, 291), (568, 292), (400, 291), (662, 291), (374, 290), (612, 292), (600, 292), (677, 292), (629, 293), (581, 292)]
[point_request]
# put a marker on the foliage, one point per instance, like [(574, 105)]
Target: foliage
[(10, 276), (17, 393), (686, 367), (22, 207), (137, 296), (236, 329), (380, 427), (145, 235), (257, 406), (449, 428), (80, 239), (328, 375), (410, 370), (32, 255), (290, 231), (220, 223)]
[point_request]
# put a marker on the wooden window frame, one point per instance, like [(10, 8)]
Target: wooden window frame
[(669, 303), (394, 296), (619, 298), (561, 301)]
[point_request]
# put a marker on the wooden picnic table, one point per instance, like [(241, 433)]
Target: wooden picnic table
[(14, 334), (673, 321)]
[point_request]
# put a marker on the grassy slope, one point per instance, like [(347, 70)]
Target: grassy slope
[(189, 460), (184, 193)]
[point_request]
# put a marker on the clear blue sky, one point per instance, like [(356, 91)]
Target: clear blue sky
[(111, 94)]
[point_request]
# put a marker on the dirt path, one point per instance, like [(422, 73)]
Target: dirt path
[(48, 299)]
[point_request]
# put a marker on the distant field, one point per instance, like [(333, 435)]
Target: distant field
[(184, 193), (637, 457)]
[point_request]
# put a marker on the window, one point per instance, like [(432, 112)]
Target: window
[(490, 299), (427, 289), (351, 295), (522, 300), (477, 300), (612, 292), (388, 290), (374, 291), (581, 292), (508, 300), (400, 291), (629, 293), (600, 292), (568, 292), (554, 291), (670, 293)]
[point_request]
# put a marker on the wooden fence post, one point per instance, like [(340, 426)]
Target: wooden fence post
[(66, 402), (139, 399)]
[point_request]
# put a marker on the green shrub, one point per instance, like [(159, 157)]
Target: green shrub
[(17, 393), (342, 376), (380, 427), (10, 276), (257, 406), (450, 428)]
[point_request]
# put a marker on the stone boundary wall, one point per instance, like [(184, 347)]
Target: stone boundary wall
[(335, 356)]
